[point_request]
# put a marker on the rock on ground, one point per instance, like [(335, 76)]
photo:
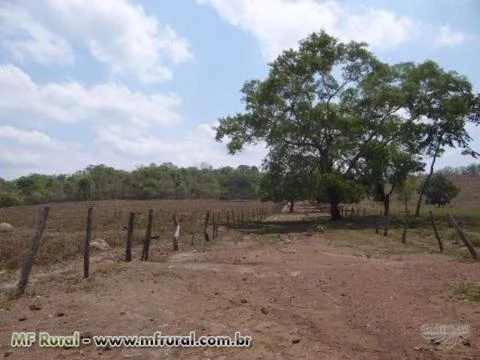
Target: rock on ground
[(6, 227), (99, 244)]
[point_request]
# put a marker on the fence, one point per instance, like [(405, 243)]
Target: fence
[(210, 222)]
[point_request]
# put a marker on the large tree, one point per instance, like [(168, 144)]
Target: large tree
[(325, 101), (442, 103)]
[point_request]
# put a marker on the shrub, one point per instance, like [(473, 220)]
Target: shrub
[(440, 191), (7, 200)]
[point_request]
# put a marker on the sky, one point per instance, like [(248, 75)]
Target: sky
[(133, 82)]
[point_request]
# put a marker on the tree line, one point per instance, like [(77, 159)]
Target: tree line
[(166, 181), (101, 182), (340, 125)]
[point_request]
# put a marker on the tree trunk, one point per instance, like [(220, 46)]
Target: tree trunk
[(425, 183), (386, 205), (291, 206), (334, 199)]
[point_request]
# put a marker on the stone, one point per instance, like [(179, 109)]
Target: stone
[(99, 244), (6, 227)]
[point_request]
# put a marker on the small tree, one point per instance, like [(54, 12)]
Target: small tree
[(287, 177), (407, 189), (440, 190)]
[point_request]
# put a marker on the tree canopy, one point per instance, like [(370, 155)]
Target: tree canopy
[(347, 117), (101, 182)]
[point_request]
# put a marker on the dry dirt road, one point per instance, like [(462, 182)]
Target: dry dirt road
[(295, 296)]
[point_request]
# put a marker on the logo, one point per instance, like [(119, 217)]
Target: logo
[(445, 337)]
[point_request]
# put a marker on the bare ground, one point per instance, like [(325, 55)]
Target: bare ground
[(298, 297)]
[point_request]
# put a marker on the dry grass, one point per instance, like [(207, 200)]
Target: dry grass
[(65, 230)]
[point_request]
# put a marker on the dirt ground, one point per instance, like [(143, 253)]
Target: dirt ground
[(296, 296)]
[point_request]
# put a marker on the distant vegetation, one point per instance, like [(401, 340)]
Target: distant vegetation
[(167, 181), (100, 182)]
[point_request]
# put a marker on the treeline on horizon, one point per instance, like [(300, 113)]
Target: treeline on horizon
[(165, 181)]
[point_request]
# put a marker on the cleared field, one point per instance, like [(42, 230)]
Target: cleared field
[(65, 230), (301, 287)]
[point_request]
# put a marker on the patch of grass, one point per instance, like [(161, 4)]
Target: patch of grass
[(368, 242), (88, 286), (468, 291)]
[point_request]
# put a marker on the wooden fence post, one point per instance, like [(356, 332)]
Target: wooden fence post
[(88, 238), (28, 261), (358, 212), (194, 231), (128, 247), (176, 234), (439, 241), (148, 236), (464, 238), (233, 217), (405, 227), (205, 230)]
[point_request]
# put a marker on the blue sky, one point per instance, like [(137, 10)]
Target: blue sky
[(125, 82)]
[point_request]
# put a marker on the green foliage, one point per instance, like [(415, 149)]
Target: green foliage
[(84, 188), (35, 188), (407, 189), (287, 178), (348, 190), (326, 103), (7, 200), (100, 182), (440, 191), (350, 118), (447, 101)]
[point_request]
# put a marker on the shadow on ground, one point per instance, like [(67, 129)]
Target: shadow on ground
[(316, 225)]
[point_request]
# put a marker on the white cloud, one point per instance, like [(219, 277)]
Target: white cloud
[(280, 24), (25, 137), (127, 128), (25, 39), (116, 32), (71, 102), (446, 37), (195, 147)]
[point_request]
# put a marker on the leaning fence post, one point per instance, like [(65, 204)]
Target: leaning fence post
[(439, 241), (465, 240), (28, 261), (128, 247), (88, 238), (148, 236)]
